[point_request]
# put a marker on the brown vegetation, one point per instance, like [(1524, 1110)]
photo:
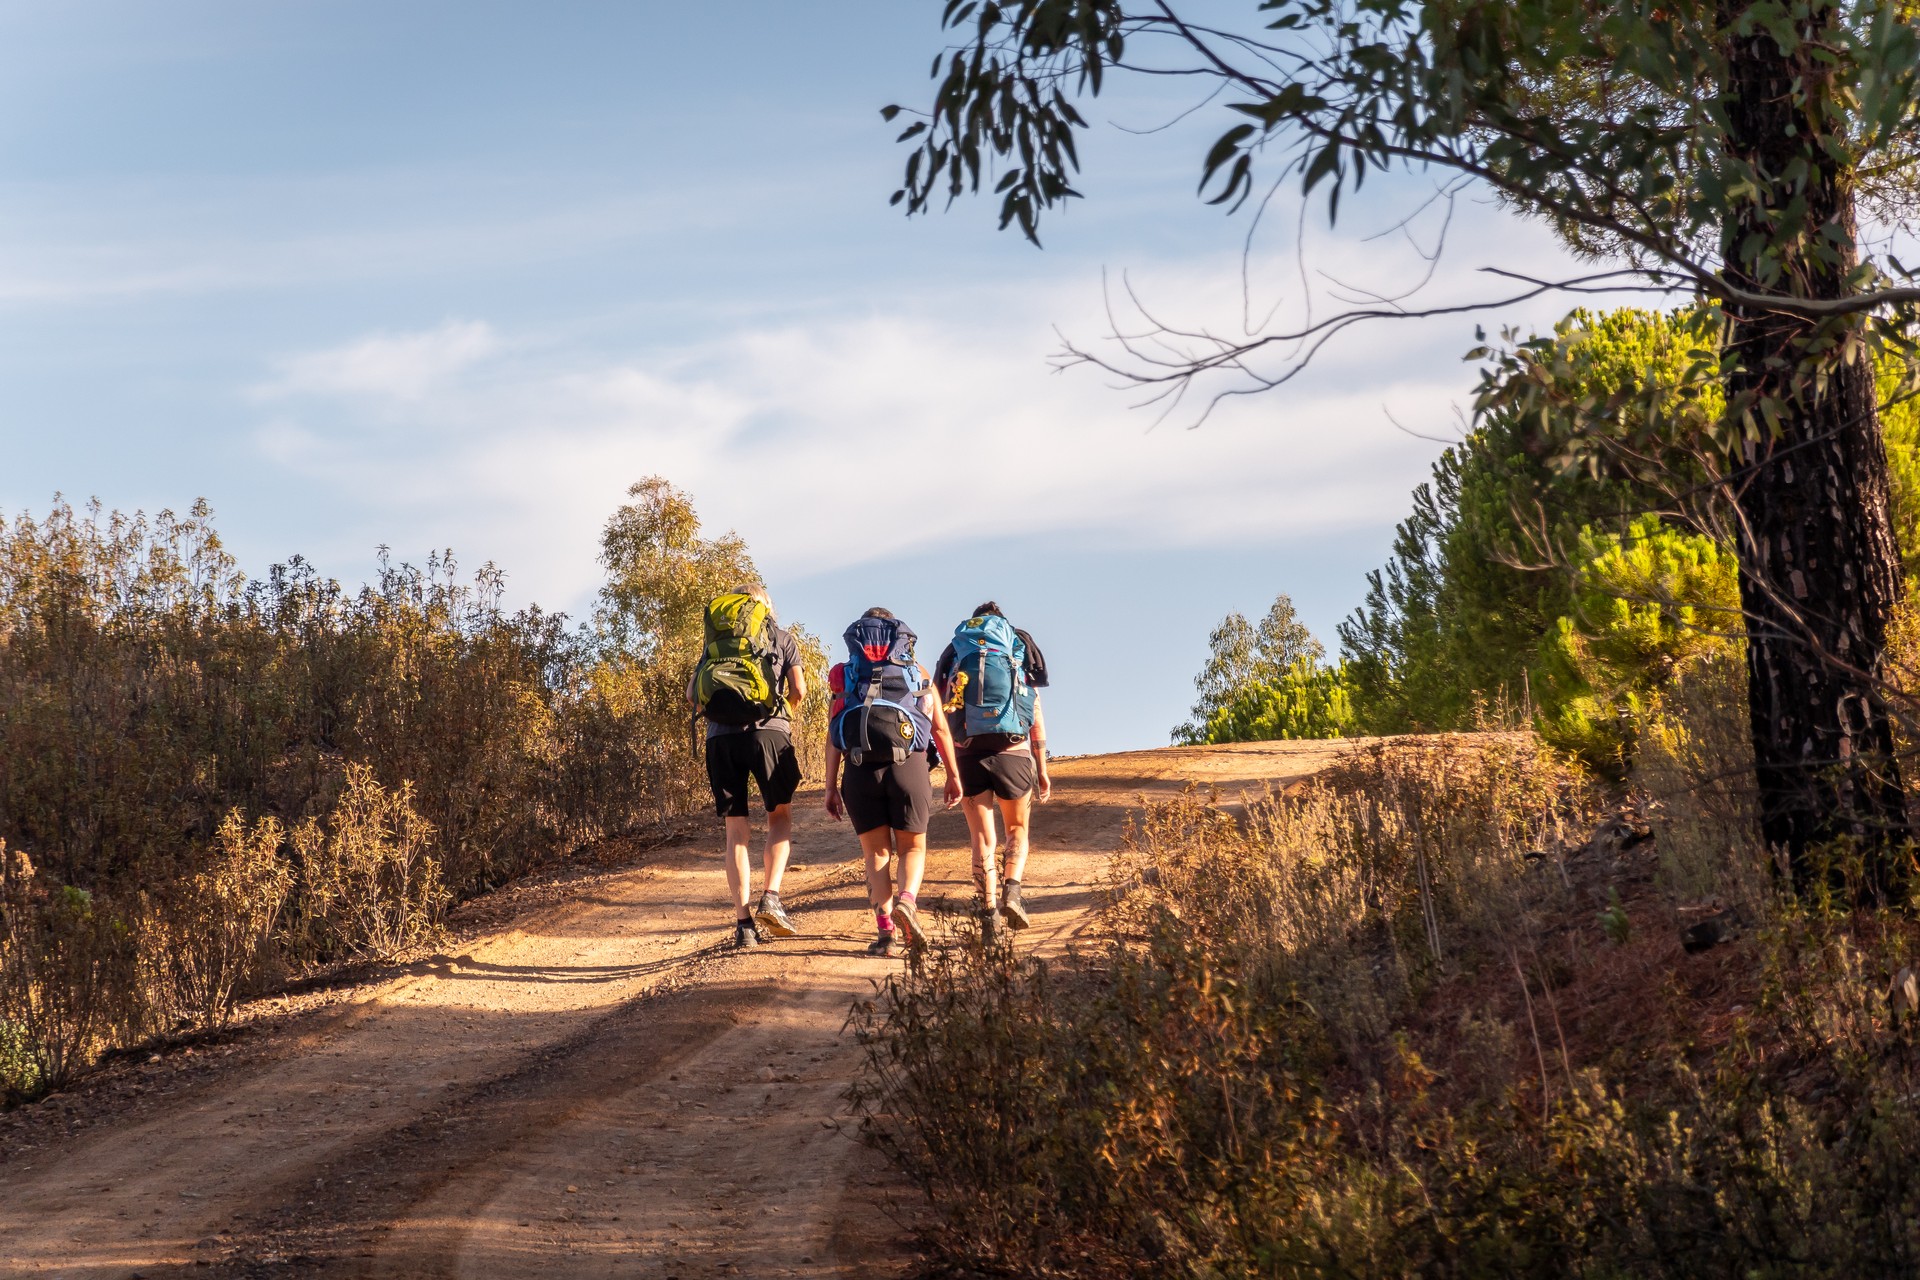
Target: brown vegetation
[(1411, 1018), (208, 782)]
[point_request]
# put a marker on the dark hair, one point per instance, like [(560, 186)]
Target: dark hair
[(878, 612), (982, 610)]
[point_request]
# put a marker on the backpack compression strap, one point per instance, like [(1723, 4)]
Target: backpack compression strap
[(860, 753)]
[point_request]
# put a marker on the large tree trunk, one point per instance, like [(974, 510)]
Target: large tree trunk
[(1819, 569)]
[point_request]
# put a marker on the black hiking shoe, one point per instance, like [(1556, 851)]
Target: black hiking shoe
[(881, 946), (771, 919), (745, 936), (989, 929), (1012, 907), (906, 922)]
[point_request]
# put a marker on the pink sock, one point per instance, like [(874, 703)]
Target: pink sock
[(884, 919)]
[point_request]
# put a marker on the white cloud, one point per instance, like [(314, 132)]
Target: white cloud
[(391, 366), (830, 443)]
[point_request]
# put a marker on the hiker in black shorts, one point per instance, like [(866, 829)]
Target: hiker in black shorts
[(748, 686), (989, 680), (877, 770)]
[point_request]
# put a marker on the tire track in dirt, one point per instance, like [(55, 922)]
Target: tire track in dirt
[(596, 1090)]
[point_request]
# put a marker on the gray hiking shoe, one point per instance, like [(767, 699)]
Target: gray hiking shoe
[(989, 928), (1011, 905), (745, 936), (771, 918), (881, 946), (906, 921)]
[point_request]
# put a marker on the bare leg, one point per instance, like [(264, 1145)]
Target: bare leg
[(779, 844), (980, 827), (912, 847), (1019, 814), (739, 872), (877, 846)]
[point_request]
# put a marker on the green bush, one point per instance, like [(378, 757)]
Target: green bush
[(1647, 605), (1305, 701)]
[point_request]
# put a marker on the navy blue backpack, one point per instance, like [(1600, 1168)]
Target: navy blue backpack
[(883, 721)]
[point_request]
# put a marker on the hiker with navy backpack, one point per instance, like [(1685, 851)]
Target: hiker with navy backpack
[(989, 679), (878, 774), (747, 686)]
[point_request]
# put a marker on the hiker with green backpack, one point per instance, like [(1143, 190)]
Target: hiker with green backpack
[(989, 679), (747, 686)]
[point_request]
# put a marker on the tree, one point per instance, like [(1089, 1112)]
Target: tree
[(1722, 148), (661, 572), (1240, 655), (1486, 562), (1307, 700)]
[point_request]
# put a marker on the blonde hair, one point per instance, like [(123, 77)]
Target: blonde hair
[(758, 590)]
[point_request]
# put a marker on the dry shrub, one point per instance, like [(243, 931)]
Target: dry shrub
[(369, 888), (69, 967), (1239, 1083), (410, 741), (217, 939), (1413, 851), (1694, 767), (1163, 1107)]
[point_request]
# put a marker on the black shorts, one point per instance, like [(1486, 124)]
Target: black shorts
[(888, 795), (765, 755), (1008, 774)]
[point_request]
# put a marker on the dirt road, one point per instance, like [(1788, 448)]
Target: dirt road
[(597, 1089)]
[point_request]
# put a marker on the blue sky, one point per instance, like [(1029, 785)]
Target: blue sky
[(429, 275)]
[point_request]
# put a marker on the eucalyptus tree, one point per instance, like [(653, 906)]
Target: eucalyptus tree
[(1724, 147)]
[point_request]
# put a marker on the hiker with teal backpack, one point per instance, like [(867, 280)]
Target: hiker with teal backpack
[(989, 679), (877, 770), (747, 686)]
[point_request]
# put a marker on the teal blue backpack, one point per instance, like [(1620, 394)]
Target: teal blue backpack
[(988, 691)]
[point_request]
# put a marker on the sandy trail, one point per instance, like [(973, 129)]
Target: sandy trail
[(598, 1090)]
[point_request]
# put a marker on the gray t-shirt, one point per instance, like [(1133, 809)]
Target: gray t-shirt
[(786, 657)]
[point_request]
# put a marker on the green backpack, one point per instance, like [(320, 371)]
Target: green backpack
[(734, 681)]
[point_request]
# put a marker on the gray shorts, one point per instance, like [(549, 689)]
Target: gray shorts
[(888, 795)]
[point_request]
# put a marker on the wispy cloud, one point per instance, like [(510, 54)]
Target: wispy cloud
[(397, 367), (832, 443), (824, 446)]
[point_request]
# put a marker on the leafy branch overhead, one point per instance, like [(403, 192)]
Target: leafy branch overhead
[(1606, 120)]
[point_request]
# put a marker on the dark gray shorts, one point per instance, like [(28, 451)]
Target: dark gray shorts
[(888, 795), (764, 755), (1008, 774)]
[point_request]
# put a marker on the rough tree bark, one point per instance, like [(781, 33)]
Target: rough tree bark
[(1819, 568)]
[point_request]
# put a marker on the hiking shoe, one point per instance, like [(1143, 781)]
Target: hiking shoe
[(1012, 907), (881, 946), (906, 922), (769, 916), (989, 928), (745, 936)]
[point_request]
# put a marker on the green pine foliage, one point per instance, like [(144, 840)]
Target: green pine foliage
[(1647, 605), (1266, 682), (1456, 617), (1308, 700)]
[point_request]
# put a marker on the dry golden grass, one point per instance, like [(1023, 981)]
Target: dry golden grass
[(1376, 1027)]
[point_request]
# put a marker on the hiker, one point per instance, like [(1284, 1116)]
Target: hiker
[(989, 679), (748, 686), (881, 734)]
